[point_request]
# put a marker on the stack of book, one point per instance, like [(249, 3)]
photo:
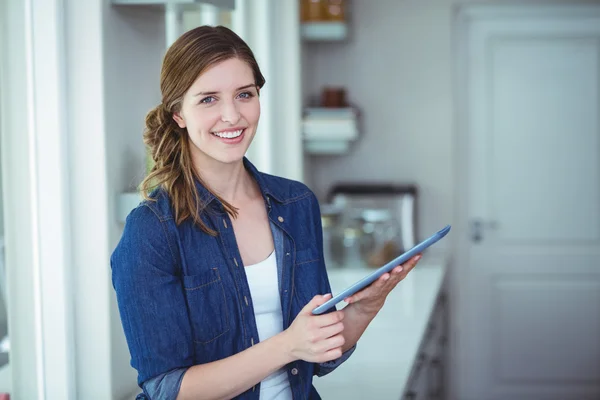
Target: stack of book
[(329, 130)]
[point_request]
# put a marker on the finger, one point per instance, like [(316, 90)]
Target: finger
[(328, 319), (397, 270), (368, 292), (314, 303), (412, 262), (331, 355), (377, 285), (410, 265), (398, 277), (331, 330), (332, 343), (406, 268)]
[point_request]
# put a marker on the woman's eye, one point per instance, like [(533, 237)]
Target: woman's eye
[(207, 100), (246, 95)]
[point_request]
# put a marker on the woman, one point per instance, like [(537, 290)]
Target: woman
[(218, 270)]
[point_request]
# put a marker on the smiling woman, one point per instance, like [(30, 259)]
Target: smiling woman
[(201, 107), (219, 268)]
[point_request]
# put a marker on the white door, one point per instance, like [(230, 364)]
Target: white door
[(529, 260)]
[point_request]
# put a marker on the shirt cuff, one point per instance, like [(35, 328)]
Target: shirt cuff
[(328, 366), (164, 386)]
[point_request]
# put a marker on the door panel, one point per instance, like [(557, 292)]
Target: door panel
[(544, 138), (529, 301)]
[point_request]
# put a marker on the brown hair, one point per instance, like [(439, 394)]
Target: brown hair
[(168, 144)]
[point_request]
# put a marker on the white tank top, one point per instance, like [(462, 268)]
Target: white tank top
[(264, 289)]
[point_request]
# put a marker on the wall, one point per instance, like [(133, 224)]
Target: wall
[(134, 44), (1, 202), (3, 310), (398, 69), (89, 200)]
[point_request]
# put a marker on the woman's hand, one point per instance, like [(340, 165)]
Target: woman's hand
[(315, 338), (371, 299)]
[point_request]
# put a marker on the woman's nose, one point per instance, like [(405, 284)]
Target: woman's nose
[(230, 112)]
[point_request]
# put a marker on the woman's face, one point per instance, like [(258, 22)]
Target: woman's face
[(221, 111)]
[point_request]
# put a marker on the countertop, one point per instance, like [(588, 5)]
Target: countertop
[(385, 354)]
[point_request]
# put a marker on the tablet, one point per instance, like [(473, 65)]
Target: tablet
[(367, 280)]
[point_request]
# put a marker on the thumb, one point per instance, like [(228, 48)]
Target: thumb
[(315, 302)]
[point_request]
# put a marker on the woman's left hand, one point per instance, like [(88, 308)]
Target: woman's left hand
[(371, 299)]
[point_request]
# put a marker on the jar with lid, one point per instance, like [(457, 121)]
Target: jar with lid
[(351, 238), (335, 10), (330, 221), (346, 241), (313, 10), (380, 237)]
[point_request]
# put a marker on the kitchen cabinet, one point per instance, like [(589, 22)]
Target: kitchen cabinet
[(426, 380)]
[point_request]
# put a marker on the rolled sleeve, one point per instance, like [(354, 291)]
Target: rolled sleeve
[(150, 297), (165, 386), (323, 369)]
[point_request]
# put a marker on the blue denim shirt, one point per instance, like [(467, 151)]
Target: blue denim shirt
[(183, 295)]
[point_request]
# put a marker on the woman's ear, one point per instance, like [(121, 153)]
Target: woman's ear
[(179, 119)]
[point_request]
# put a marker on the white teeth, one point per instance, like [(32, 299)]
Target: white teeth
[(228, 135)]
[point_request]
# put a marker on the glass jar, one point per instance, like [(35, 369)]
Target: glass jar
[(380, 237), (351, 239), (335, 10), (330, 222), (347, 237), (313, 10)]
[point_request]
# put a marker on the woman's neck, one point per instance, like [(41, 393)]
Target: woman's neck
[(230, 181)]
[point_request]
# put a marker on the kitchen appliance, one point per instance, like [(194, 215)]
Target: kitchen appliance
[(397, 201)]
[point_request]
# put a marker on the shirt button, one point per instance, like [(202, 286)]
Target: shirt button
[(294, 371), (280, 218)]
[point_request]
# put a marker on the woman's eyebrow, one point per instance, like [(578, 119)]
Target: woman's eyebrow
[(210, 93)]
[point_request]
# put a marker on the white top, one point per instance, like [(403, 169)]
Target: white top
[(264, 289)]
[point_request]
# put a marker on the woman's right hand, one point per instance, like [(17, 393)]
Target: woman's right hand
[(316, 338)]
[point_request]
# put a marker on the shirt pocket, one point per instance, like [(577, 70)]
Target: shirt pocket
[(207, 305), (308, 274), (306, 256)]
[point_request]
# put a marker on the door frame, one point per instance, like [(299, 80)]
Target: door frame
[(463, 15), (36, 193)]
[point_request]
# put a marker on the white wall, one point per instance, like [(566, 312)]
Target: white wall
[(271, 29), (134, 44), (89, 198), (1, 189), (18, 222), (398, 69)]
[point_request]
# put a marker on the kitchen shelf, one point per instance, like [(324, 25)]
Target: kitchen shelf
[(324, 31), (326, 147), (329, 130), (223, 4)]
